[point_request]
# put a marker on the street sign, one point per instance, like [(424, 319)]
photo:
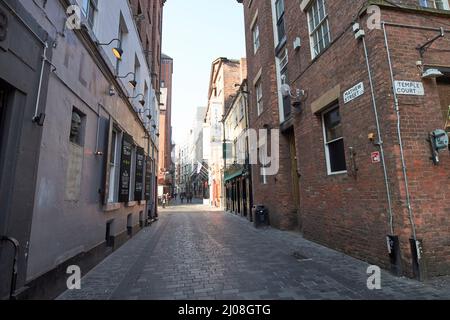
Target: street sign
[(409, 88), (354, 92), (376, 157)]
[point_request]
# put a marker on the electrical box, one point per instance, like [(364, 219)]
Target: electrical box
[(438, 141), (440, 138)]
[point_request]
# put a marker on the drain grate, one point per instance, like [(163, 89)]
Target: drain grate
[(297, 255)]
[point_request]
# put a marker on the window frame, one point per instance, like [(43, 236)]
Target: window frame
[(432, 4), (327, 143), (259, 97), (318, 28), (255, 37), (114, 167), (88, 8), (280, 20)]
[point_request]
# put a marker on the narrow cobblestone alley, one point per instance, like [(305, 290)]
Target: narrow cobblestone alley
[(195, 252)]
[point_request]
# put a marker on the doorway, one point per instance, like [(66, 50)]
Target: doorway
[(4, 92)]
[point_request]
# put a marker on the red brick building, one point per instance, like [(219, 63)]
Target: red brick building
[(149, 19), (166, 166), (344, 181)]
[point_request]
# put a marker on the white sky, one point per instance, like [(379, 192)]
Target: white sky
[(196, 32)]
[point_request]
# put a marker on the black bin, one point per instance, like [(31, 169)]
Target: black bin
[(260, 216)]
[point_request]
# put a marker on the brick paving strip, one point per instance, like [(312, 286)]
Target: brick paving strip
[(194, 252)]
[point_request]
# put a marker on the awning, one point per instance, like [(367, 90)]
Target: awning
[(234, 174)]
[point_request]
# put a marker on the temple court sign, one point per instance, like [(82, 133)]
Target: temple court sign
[(410, 88)]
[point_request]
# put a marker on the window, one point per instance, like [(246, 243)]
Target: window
[(241, 108), (263, 156), (435, 4), (334, 141), (319, 29), (259, 97), (114, 167), (88, 8), (286, 99), (77, 127), (256, 42), (279, 6), (132, 174)]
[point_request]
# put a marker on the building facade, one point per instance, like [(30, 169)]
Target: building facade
[(237, 173), (225, 75), (166, 165), (85, 126), (356, 105)]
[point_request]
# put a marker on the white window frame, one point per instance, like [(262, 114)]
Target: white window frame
[(86, 7), (434, 4), (256, 40), (327, 143), (114, 167), (259, 97), (262, 167), (317, 28)]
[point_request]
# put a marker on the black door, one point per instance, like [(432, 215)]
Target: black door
[(3, 101)]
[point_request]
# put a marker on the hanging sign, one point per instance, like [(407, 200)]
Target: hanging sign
[(354, 92), (139, 177), (409, 88), (125, 168)]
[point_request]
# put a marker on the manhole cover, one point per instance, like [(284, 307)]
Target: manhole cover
[(299, 256)]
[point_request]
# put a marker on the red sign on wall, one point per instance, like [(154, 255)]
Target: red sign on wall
[(376, 157)]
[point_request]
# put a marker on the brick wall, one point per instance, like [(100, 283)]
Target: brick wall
[(349, 212)]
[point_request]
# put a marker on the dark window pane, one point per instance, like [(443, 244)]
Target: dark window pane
[(337, 156), (333, 125)]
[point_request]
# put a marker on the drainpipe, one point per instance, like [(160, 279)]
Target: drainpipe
[(399, 134), (418, 266), (380, 142)]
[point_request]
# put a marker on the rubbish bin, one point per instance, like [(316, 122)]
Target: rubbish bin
[(260, 216)]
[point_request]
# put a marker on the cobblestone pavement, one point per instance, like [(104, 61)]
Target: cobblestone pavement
[(195, 252)]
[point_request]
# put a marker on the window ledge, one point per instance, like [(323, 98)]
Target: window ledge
[(111, 207), (131, 204), (331, 174)]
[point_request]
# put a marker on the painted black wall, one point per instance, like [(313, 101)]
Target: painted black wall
[(20, 67)]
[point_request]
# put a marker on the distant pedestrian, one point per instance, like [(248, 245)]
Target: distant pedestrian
[(163, 200), (182, 197)]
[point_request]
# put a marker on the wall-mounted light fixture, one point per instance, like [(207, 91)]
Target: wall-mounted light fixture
[(149, 116), (133, 82), (117, 51), (142, 101), (112, 91)]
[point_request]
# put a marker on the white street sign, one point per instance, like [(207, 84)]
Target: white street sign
[(354, 92), (410, 88)]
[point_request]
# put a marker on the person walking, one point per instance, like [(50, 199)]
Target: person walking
[(182, 197), (163, 201)]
